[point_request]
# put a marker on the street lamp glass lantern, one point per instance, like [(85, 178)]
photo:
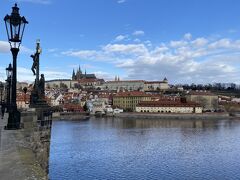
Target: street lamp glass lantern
[(15, 25), (9, 70)]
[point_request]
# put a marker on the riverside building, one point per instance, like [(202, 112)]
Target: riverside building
[(206, 99), (129, 100), (168, 107)]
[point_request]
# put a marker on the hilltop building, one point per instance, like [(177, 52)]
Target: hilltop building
[(134, 85), (78, 80), (130, 85), (79, 75), (156, 85)]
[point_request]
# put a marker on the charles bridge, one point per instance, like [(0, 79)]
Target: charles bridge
[(24, 136)]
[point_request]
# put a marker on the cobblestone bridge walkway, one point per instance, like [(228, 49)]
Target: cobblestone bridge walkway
[(17, 161)]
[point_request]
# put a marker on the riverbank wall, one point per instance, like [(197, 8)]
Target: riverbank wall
[(70, 115), (173, 116), (134, 115)]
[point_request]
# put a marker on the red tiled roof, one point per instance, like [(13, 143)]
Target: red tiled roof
[(23, 97)]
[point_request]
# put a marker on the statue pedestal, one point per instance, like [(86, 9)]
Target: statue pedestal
[(44, 113), (37, 100), (43, 110)]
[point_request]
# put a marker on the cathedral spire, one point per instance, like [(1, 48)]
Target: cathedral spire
[(79, 70), (79, 73), (73, 75)]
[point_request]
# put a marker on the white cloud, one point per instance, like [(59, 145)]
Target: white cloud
[(200, 60), (52, 50), (53, 74), (83, 66), (2, 74), (231, 31), (148, 43), (180, 43), (36, 1), (25, 74), (138, 33), (104, 75), (26, 50), (121, 37), (159, 50), (126, 63), (85, 54), (188, 36), (199, 42), (4, 47), (222, 43), (121, 1), (132, 49), (137, 40)]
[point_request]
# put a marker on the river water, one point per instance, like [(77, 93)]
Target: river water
[(145, 149)]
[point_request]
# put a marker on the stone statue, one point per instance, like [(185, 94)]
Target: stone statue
[(38, 93), (35, 57), (35, 64), (41, 86)]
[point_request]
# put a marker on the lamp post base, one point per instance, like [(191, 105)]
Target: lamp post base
[(14, 119)]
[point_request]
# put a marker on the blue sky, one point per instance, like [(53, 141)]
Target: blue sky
[(184, 40)]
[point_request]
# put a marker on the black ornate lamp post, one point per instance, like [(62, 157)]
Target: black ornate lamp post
[(15, 25), (9, 71), (1, 91)]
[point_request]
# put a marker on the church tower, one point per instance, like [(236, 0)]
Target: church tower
[(79, 74), (73, 75), (79, 70)]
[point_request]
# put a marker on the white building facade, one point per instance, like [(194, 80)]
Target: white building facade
[(168, 107)]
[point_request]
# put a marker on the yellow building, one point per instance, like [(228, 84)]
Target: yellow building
[(129, 100)]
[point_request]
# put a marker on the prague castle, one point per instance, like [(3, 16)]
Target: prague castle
[(90, 81), (79, 75), (78, 79)]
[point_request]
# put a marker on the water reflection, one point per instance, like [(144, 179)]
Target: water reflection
[(161, 123), (101, 148)]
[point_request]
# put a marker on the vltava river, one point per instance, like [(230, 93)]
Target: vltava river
[(145, 149)]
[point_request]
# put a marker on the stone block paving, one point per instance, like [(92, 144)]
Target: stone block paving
[(17, 161)]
